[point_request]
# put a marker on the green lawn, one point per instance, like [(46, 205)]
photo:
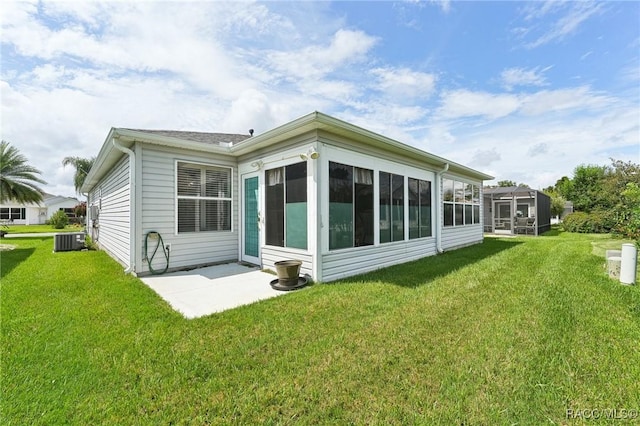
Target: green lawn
[(513, 331)]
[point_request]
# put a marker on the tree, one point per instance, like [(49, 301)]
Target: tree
[(80, 210), (607, 196), (82, 166), (557, 204), (506, 183), (587, 189), (564, 187), (17, 178)]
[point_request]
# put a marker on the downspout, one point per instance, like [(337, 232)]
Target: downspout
[(132, 210), (86, 213), (439, 224)]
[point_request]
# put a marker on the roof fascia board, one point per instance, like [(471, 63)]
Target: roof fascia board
[(92, 177)]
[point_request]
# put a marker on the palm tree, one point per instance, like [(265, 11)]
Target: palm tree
[(82, 165), (17, 178)]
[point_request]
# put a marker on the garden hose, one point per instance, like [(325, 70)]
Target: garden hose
[(159, 244)]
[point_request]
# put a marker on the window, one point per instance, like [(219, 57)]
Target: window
[(286, 201), (69, 211), (12, 213), (461, 203), (350, 206), (419, 208), (204, 198), (391, 207)]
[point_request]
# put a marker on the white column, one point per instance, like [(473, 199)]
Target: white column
[(628, 264)]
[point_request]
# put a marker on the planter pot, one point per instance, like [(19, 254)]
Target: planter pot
[(288, 272)]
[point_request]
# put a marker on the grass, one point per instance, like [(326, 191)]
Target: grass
[(512, 331), (32, 229)]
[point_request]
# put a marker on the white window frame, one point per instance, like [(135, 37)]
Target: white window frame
[(463, 203), (336, 154), (190, 197)]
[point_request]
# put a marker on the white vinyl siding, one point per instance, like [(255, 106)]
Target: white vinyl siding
[(272, 254), (343, 262), (364, 259), (112, 194), (159, 209), (457, 237), (466, 234)]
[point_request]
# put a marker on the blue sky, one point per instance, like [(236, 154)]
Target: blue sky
[(524, 91)]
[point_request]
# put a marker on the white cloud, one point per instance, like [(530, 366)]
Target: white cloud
[(569, 16), (485, 157), (512, 77), (316, 61), (466, 103), (538, 149), (563, 99), (404, 83)]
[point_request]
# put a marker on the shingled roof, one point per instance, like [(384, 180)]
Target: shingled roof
[(509, 190), (210, 138)]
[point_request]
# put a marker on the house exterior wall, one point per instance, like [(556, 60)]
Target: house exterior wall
[(112, 228), (287, 153), (462, 235), (158, 212), (68, 203), (137, 198), (339, 263), (31, 213)]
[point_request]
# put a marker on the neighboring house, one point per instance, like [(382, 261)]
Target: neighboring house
[(37, 214), (568, 209), (516, 210), (340, 198)]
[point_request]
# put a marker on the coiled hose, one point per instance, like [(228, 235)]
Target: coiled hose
[(159, 243)]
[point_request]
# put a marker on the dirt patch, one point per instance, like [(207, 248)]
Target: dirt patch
[(6, 247)]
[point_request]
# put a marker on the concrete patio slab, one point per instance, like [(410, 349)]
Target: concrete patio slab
[(212, 289)]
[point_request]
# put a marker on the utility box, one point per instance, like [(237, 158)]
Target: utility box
[(68, 241)]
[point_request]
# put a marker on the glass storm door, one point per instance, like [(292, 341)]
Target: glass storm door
[(250, 219)]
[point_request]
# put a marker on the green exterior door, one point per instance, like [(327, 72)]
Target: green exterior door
[(251, 220)]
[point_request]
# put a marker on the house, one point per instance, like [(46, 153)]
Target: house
[(37, 214), (568, 209), (340, 198), (516, 210)]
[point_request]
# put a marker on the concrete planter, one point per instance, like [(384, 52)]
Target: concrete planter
[(288, 272)]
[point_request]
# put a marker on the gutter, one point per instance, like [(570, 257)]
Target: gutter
[(132, 210), (439, 223)]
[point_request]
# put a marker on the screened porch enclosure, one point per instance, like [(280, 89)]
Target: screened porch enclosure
[(516, 210)]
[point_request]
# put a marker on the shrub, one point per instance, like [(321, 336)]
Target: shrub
[(59, 220), (89, 243), (80, 209), (598, 222)]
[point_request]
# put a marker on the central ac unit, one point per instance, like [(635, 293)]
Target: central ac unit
[(68, 241)]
